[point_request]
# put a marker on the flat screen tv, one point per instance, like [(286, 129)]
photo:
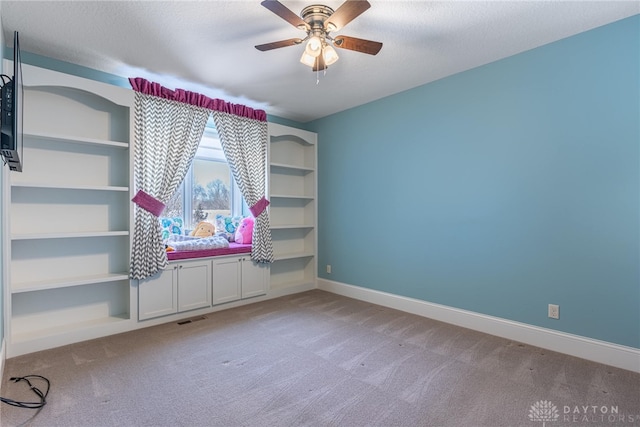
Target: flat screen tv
[(11, 114)]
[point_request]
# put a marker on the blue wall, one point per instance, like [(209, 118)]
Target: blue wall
[(498, 190)]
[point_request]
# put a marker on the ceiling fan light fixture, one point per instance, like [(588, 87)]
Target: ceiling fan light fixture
[(314, 46), (308, 60), (318, 21), (330, 55)]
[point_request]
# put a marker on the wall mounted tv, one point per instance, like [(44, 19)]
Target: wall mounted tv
[(11, 113)]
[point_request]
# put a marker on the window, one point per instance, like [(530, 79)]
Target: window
[(208, 188)]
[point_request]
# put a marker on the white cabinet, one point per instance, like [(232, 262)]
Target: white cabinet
[(67, 216), (293, 208), (226, 280), (194, 285), (180, 287), (238, 277), (158, 294)]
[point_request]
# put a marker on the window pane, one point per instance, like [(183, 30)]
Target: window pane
[(208, 188), (211, 193)]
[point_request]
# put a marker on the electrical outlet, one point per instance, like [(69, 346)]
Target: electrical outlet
[(328, 268), (554, 311)]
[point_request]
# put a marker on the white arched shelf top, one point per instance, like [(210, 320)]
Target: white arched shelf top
[(54, 103), (291, 148), (279, 132), (34, 76)]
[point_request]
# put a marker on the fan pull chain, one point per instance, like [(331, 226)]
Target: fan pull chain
[(324, 73)]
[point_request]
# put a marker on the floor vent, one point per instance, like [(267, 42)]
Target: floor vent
[(194, 319)]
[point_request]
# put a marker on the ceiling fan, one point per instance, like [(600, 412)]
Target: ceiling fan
[(318, 21)]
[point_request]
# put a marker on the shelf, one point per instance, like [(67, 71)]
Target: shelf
[(75, 139), (292, 226), (290, 273), (291, 284), (69, 187), (60, 311), (40, 236), (293, 255), (292, 167), (67, 282), (291, 196)]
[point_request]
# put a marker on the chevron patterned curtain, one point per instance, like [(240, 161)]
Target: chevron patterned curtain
[(244, 142), (167, 134)]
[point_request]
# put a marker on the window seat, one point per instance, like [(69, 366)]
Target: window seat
[(233, 249)]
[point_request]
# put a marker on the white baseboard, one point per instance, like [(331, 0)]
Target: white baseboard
[(586, 348)]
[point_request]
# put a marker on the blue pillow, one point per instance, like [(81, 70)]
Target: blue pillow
[(226, 226), (170, 226)]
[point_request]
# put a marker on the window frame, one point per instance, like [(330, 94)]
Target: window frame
[(237, 206)]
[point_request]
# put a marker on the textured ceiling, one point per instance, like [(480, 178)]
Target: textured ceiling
[(208, 46)]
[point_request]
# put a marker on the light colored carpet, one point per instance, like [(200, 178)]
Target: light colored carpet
[(316, 359)]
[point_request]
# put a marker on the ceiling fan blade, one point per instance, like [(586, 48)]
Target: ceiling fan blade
[(347, 12), (359, 45), (319, 64), (276, 45), (283, 12)]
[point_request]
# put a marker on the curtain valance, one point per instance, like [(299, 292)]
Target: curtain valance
[(142, 85)]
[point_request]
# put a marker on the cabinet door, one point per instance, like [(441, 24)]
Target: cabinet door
[(194, 285), (226, 280), (254, 278), (157, 295)]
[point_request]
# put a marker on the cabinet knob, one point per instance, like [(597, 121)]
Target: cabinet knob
[(180, 267)]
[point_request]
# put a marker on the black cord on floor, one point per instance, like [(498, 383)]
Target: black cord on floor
[(29, 405)]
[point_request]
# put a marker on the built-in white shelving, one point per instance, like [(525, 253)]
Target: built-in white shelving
[(68, 235), (68, 187), (289, 196), (293, 208), (294, 255), (40, 285), (293, 227), (70, 139), (302, 169), (67, 216)]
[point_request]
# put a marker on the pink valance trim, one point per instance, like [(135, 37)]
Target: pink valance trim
[(150, 88)]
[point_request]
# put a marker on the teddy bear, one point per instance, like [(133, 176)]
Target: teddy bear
[(244, 233), (203, 229)]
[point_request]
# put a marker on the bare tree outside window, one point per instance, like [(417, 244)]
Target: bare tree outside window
[(211, 189)]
